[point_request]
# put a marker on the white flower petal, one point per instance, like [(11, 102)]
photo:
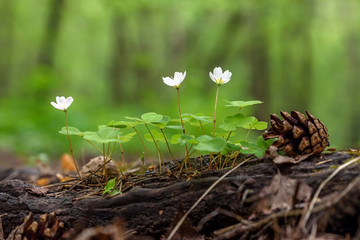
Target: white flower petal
[(226, 76), (55, 105), (218, 72), (168, 81), (176, 81), (212, 76), (177, 76), (62, 103), (69, 101)]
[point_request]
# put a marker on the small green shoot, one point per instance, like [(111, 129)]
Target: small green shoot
[(110, 188)]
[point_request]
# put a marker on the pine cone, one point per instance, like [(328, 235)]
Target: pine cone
[(298, 135), (48, 227)]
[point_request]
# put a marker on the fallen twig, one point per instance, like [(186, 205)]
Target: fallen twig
[(317, 193), (177, 226), (234, 230)]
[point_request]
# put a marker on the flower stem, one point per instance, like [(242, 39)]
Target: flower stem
[(104, 156), (202, 127), (216, 100), (182, 123), (167, 144), (248, 133), (229, 135), (122, 152), (71, 149), (96, 147), (142, 143), (157, 147)]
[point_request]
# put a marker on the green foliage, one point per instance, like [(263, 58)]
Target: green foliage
[(123, 124), (207, 144), (241, 104), (151, 117), (181, 139), (158, 131), (257, 148), (156, 134), (162, 123), (126, 137), (231, 147), (110, 188), (72, 131), (231, 123), (103, 135), (256, 124), (195, 119), (110, 73)]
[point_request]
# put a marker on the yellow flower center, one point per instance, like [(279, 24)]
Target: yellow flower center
[(219, 81)]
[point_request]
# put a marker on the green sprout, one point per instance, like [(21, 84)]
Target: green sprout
[(111, 189)]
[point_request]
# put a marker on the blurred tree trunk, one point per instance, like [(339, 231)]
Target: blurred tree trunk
[(353, 86), (117, 64), (296, 62), (46, 55), (257, 56), (6, 16)]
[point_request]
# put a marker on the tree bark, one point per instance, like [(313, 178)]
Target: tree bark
[(150, 206), (56, 10)]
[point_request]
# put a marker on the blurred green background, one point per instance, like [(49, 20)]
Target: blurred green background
[(111, 55)]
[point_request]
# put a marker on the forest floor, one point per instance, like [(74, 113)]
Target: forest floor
[(317, 198)]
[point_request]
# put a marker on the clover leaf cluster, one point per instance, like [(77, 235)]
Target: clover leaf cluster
[(188, 130)]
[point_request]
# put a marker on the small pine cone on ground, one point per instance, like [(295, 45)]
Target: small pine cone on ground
[(298, 134), (47, 227)]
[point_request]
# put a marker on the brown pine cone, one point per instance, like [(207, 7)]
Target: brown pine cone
[(48, 227), (298, 135)]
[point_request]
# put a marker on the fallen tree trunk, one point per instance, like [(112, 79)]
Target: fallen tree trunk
[(233, 209)]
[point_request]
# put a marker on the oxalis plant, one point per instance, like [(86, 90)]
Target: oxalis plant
[(192, 131)]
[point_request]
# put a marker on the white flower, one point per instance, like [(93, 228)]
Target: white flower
[(219, 77), (176, 81), (62, 103)]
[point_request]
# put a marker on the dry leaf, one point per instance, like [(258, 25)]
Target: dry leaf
[(282, 192), (96, 166), (40, 191), (280, 159), (43, 181), (114, 231), (62, 178), (186, 230), (67, 163), (285, 159)]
